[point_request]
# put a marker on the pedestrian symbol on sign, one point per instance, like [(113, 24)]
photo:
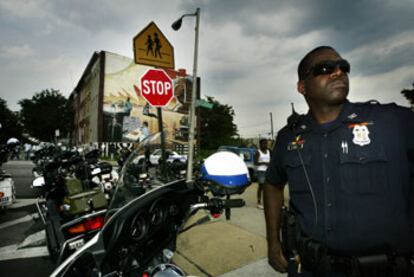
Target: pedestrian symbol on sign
[(151, 47)]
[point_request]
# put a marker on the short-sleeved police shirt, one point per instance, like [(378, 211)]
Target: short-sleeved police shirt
[(360, 168)]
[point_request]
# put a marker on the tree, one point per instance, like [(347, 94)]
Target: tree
[(217, 127), (46, 112), (10, 126), (409, 94)]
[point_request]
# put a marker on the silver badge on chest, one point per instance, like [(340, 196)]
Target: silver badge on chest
[(361, 134)]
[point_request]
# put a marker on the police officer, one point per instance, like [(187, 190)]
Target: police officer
[(349, 167)]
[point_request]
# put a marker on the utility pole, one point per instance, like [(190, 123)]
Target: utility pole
[(271, 124), (192, 117)]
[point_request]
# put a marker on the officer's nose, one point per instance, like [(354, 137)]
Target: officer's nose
[(337, 72)]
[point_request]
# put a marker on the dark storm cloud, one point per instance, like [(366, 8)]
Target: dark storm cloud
[(248, 51), (347, 24), (93, 15), (372, 63)]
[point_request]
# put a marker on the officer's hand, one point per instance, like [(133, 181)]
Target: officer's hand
[(276, 258)]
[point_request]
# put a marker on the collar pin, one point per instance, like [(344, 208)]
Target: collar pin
[(352, 116)]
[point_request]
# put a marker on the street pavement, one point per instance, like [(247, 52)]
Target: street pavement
[(23, 249), (228, 248), (225, 248)]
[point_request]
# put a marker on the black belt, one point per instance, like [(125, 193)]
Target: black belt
[(373, 265)]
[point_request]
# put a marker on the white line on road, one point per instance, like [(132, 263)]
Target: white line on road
[(26, 218), (34, 239), (12, 252), (22, 202), (22, 250)]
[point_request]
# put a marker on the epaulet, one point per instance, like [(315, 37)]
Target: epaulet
[(369, 102), (376, 104)]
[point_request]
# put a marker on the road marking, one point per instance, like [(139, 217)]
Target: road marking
[(34, 239), (22, 202), (23, 250), (26, 218), (12, 252)]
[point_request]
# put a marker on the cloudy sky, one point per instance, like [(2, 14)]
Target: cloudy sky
[(248, 53)]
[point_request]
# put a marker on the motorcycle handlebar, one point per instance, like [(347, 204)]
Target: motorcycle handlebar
[(219, 204)]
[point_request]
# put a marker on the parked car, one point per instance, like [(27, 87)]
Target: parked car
[(247, 154), (172, 156)]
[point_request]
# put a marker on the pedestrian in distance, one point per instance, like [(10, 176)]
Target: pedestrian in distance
[(350, 170), (261, 160), (27, 150), (112, 150)]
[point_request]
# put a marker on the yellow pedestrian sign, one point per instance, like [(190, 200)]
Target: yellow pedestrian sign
[(151, 47)]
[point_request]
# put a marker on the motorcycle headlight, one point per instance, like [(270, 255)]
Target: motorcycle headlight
[(108, 186)]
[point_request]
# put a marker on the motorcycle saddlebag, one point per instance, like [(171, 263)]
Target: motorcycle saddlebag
[(79, 202), (73, 186)]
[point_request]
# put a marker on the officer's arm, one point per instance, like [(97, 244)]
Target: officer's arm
[(273, 202)]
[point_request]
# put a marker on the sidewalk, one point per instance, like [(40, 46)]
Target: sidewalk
[(228, 248)]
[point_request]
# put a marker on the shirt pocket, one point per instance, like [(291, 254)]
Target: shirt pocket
[(297, 180), (364, 170)]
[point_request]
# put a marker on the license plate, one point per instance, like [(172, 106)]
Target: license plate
[(4, 199), (76, 244)]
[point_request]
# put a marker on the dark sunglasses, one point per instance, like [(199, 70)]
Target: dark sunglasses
[(328, 67)]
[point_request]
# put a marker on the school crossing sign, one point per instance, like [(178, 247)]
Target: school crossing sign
[(151, 47), (157, 87)]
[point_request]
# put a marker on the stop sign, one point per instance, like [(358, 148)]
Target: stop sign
[(157, 87)]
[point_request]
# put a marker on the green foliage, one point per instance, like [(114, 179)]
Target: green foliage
[(204, 153), (10, 123), (217, 127), (45, 112), (409, 94)]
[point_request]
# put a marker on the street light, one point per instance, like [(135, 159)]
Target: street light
[(176, 26)]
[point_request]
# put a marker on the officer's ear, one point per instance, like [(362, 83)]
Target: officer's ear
[(301, 87)]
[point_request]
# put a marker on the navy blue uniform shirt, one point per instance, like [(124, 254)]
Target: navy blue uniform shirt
[(360, 168)]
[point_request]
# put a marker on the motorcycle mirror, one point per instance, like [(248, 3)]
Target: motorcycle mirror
[(38, 182)]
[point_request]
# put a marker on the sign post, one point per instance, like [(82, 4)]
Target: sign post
[(157, 88)]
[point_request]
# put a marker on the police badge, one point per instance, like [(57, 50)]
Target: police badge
[(361, 134)]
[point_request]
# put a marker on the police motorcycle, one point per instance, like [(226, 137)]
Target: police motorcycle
[(102, 174), (172, 170), (7, 189), (140, 232), (72, 205), (41, 157)]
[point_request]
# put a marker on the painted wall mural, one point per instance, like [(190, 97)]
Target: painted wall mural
[(127, 115)]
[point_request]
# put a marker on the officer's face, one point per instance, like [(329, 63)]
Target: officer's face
[(325, 89)]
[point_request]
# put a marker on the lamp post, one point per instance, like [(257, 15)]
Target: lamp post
[(176, 26)]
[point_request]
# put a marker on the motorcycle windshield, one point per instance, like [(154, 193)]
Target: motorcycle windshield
[(140, 172)]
